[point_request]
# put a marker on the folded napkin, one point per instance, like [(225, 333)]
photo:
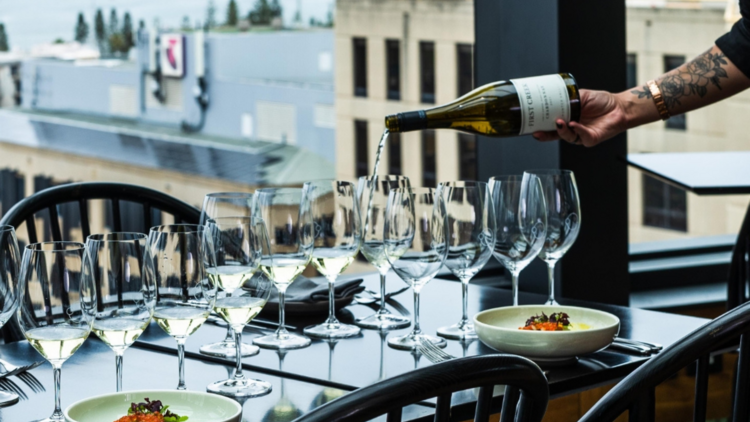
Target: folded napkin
[(309, 297)]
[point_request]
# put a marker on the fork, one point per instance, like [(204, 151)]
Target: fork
[(433, 353), (11, 386), (22, 373), (370, 296)]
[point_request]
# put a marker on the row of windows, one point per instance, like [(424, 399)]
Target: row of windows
[(467, 154), (464, 63), (671, 62)]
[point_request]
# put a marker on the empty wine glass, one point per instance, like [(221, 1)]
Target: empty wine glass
[(59, 304), (175, 265), (10, 259), (123, 310), (227, 204), (563, 219), (521, 215), (416, 245), (237, 246), (287, 254), (470, 218), (372, 194), (337, 235)]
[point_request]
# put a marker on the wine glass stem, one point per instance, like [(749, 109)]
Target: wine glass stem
[(230, 335), (331, 302), (57, 371), (551, 276), (181, 362), (282, 328), (465, 302), (118, 369), (514, 276), (382, 309), (238, 348), (417, 330)]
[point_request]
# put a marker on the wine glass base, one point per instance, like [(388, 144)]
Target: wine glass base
[(240, 389), (383, 322), (551, 302), (52, 418), (227, 350), (411, 342), (332, 331), (458, 332), (284, 341), (8, 399)]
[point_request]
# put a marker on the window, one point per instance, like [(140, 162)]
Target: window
[(427, 71), (664, 205), (429, 165), (362, 166), (394, 153), (671, 63), (632, 70), (465, 71), (467, 156), (393, 69), (360, 67)]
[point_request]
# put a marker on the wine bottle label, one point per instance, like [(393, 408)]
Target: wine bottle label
[(543, 99)]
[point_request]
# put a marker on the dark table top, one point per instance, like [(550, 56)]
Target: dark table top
[(703, 173)]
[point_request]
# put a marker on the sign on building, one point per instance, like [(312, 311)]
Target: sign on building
[(172, 55)]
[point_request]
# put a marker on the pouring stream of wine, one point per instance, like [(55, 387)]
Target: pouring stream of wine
[(373, 179)]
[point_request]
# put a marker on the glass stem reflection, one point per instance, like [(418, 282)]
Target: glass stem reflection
[(332, 304), (238, 375), (181, 362), (281, 332), (465, 298), (514, 276), (57, 371), (118, 366), (551, 276), (417, 330), (230, 335), (382, 309)]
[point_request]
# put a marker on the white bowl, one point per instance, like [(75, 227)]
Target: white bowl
[(498, 329), (197, 406)]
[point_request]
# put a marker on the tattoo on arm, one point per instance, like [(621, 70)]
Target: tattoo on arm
[(692, 79)]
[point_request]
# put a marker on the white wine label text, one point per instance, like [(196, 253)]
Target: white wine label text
[(543, 99)]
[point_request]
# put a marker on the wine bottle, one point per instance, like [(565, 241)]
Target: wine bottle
[(501, 109)]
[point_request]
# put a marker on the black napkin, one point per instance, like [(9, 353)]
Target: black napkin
[(310, 297)]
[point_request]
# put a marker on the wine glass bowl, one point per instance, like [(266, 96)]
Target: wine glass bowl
[(59, 303), (521, 216), (563, 218), (416, 245), (10, 259), (123, 310), (372, 195)]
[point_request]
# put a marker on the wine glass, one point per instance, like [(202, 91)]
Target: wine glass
[(563, 218), (227, 204), (470, 217), (175, 264), (237, 251), (372, 194), (287, 253), (59, 304), (521, 215), (9, 261), (123, 310), (416, 245), (337, 235)]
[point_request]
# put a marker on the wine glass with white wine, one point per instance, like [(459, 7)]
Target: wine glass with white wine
[(10, 259), (126, 299), (59, 305), (175, 263), (227, 204)]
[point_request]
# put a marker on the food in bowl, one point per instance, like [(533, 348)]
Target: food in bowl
[(559, 321), (151, 411)]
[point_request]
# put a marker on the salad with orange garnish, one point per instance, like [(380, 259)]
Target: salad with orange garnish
[(151, 411), (556, 322)]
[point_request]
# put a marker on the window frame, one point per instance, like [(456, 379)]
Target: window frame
[(359, 66), (393, 65), (427, 83), (460, 89), (395, 161), (361, 148), (429, 158)]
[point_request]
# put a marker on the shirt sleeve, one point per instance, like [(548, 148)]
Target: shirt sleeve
[(735, 44)]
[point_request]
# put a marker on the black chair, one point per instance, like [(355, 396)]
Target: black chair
[(441, 380), (636, 391), (51, 199), (739, 269)]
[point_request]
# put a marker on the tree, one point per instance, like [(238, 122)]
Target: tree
[(3, 39), (82, 30), (261, 13), (276, 10), (232, 13), (100, 31), (127, 31), (186, 23), (211, 15), (114, 22)]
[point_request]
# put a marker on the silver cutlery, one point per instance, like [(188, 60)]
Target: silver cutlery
[(433, 353), (369, 296), (28, 378), (262, 324), (17, 369), (653, 346), (12, 387), (631, 348)]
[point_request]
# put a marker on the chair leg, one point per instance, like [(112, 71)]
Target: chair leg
[(484, 400), (701, 390), (742, 389), (643, 409), (510, 400)]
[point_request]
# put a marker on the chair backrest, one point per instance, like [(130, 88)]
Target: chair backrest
[(739, 269), (80, 193), (635, 392), (441, 380)]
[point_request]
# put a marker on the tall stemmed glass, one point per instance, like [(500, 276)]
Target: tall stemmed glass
[(125, 300), (372, 193), (416, 245), (175, 263), (337, 235), (521, 215), (227, 204), (287, 254), (237, 244), (470, 218), (563, 218), (59, 304), (10, 259)]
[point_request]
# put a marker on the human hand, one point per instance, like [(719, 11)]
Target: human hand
[(602, 117)]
